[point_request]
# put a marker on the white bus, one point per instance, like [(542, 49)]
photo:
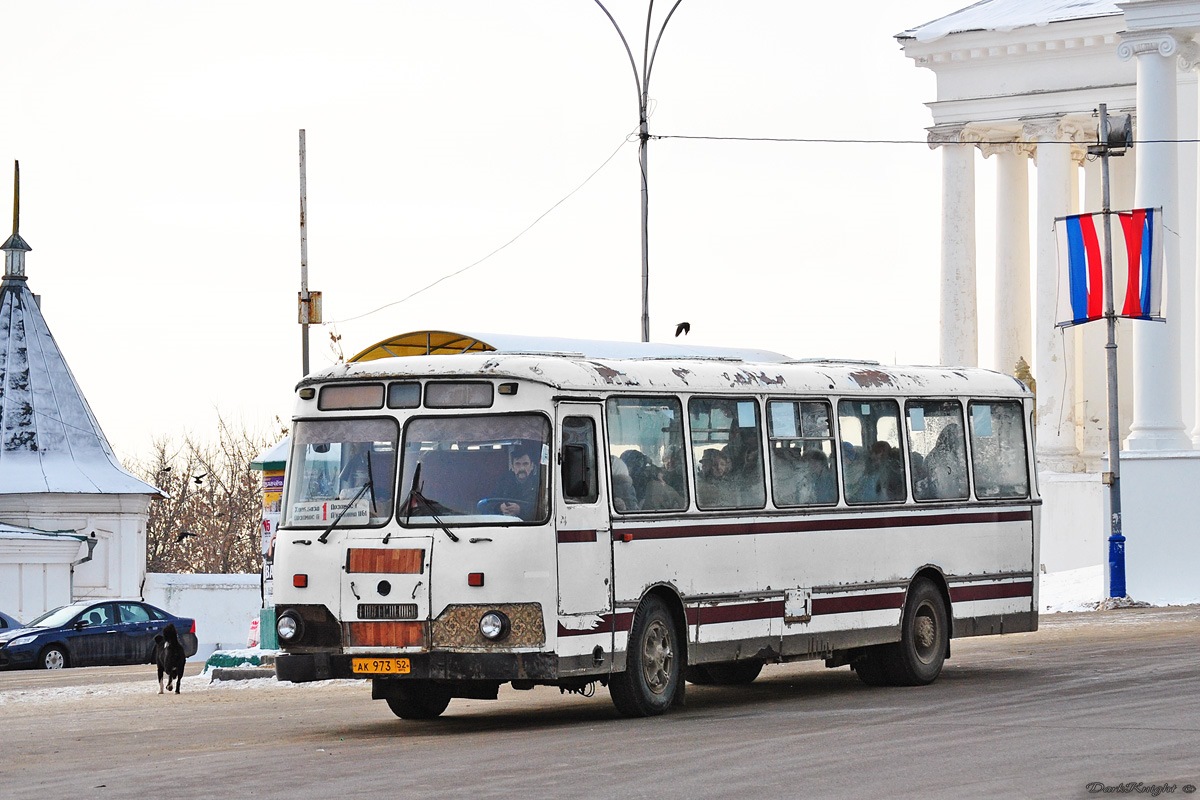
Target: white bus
[(452, 523)]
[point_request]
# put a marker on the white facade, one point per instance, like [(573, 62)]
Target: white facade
[(1022, 80)]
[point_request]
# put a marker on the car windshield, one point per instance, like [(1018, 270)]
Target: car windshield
[(53, 619), (341, 467), (483, 469)]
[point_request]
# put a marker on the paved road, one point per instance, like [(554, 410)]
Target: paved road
[(1110, 699)]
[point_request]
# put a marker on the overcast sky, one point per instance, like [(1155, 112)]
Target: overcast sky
[(160, 185)]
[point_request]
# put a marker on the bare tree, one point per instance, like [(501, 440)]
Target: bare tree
[(211, 517)]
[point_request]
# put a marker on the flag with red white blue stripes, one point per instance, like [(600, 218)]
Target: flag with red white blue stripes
[(1136, 265)]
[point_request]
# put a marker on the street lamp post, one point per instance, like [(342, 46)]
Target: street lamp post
[(642, 79)]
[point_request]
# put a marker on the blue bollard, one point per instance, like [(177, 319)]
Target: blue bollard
[(1116, 565)]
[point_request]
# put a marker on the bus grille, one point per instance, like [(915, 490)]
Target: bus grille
[(387, 610)]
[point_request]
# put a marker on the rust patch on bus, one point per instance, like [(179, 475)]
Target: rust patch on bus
[(384, 634), (681, 373), (612, 376), (743, 378), (393, 561), (870, 378)]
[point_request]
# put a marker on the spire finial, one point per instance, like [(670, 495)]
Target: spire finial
[(16, 196), (15, 247)]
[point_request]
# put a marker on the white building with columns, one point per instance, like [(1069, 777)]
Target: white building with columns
[(1020, 82)]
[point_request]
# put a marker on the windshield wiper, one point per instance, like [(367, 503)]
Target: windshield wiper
[(324, 536), (415, 494)]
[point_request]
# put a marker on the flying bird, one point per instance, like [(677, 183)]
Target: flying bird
[(683, 328), (183, 535), (198, 478)]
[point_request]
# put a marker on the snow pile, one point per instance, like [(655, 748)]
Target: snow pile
[(196, 683), (1071, 590)]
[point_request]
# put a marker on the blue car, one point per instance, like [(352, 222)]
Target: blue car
[(92, 633)]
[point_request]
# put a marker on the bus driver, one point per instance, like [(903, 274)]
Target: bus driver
[(518, 489)]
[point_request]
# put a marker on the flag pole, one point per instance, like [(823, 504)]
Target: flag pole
[(1112, 478)]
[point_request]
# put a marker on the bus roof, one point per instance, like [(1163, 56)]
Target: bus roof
[(436, 342), (725, 374)]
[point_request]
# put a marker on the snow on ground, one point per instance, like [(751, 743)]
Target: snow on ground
[(196, 683), (1071, 590)]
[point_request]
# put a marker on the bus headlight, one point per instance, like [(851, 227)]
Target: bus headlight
[(494, 625), (288, 626)]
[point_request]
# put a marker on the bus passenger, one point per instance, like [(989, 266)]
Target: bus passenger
[(946, 466), (660, 495), (815, 481), (882, 478), (714, 485), (624, 498), (517, 490)]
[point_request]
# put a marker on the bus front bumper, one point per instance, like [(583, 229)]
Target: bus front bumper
[(446, 666)]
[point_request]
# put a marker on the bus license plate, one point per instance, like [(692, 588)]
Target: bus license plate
[(381, 666)]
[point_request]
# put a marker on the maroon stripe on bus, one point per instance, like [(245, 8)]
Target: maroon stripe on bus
[(712, 615), (857, 602), (576, 536), (805, 526), (991, 591)]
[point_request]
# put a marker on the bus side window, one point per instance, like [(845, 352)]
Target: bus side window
[(727, 452), (998, 449), (645, 447), (937, 450), (873, 465), (803, 462), (579, 460)]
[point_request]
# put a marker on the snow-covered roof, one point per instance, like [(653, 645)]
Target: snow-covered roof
[(1007, 15), (49, 439)]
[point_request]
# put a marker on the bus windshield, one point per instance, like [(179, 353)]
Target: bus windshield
[(483, 469), (343, 467)]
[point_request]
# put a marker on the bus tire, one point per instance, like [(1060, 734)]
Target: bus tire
[(419, 700), (653, 670), (734, 673), (872, 666), (924, 637)]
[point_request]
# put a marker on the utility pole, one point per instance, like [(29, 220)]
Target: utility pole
[(310, 302), (642, 79), (1110, 142)]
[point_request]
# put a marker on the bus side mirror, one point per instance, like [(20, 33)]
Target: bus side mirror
[(575, 471)]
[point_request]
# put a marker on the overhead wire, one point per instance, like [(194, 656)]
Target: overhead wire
[(631, 137)]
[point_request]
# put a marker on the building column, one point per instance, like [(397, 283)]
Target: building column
[(1013, 334), (1157, 404), (1052, 350), (958, 323)]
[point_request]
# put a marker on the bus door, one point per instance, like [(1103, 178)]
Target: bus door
[(581, 517)]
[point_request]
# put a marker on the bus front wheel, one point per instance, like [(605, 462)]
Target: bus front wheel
[(419, 700), (653, 663)]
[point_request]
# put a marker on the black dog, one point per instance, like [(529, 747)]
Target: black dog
[(169, 655)]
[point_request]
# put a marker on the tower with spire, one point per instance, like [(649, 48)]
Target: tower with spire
[(59, 478)]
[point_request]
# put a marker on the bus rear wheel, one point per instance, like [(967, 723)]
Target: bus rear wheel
[(924, 637), (653, 663), (917, 659), (419, 700)]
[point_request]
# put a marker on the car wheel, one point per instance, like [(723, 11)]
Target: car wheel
[(653, 663), (53, 657), (419, 700)]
